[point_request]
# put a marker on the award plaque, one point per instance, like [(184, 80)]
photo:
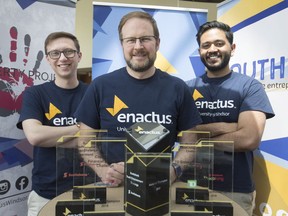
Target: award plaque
[(74, 207), (90, 192), (190, 195), (147, 180), (217, 207)]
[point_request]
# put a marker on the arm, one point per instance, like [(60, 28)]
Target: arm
[(218, 128), (47, 136), (186, 153), (112, 174), (246, 136)]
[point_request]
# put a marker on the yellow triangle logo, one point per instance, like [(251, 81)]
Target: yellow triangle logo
[(185, 196), (176, 148), (138, 129), (130, 160), (67, 212), (53, 111), (88, 144), (118, 105), (197, 95), (82, 196)]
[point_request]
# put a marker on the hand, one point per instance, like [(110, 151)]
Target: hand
[(114, 174), (173, 176)]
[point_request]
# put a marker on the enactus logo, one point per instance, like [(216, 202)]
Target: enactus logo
[(212, 105), (141, 131), (58, 121), (131, 117)]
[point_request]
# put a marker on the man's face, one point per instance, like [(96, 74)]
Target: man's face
[(215, 50), (64, 67), (140, 54)]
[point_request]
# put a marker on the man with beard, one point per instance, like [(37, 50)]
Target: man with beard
[(233, 107), (138, 92)]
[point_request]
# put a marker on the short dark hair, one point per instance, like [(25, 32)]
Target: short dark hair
[(215, 24), (141, 15), (55, 35)]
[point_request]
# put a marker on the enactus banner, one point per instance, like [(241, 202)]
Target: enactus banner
[(24, 25), (260, 31)]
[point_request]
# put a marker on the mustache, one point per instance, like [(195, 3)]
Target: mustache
[(139, 53), (213, 54)]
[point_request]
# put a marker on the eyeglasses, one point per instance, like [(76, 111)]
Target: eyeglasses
[(68, 53), (131, 41)]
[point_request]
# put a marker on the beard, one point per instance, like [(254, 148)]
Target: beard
[(213, 68), (142, 67)]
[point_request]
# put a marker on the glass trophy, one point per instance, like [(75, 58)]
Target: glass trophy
[(207, 170), (77, 159), (72, 169)]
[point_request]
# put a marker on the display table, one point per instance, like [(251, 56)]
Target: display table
[(115, 201)]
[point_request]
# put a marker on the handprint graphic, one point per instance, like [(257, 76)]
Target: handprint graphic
[(14, 80)]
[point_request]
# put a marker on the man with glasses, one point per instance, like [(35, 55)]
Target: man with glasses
[(47, 114), (138, 92)]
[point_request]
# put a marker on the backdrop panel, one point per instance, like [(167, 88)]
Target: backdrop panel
[(261, 51), (24, 26)]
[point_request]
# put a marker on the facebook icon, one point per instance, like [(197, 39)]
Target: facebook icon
[(22, 183)]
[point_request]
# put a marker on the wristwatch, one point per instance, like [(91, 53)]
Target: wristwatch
[(178, 170)]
